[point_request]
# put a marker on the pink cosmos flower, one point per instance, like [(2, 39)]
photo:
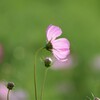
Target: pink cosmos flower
[(59, 47)]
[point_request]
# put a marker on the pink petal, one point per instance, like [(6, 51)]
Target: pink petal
[(61, 55), (53, 32), (61, 44)]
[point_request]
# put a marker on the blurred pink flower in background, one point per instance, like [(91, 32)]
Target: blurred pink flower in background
[(1, 53), (59, 47), (3, 91), (95, 62), (65, 87), (70, 63), (19, 95), (14, 95)]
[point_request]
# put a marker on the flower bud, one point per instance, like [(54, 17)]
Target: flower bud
[(10, 85), (47, 62)]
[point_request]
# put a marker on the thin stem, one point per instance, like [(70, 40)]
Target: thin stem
[(42, 89), (35, 85), (8, 94)]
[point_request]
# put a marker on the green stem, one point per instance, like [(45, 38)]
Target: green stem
[(42, 89), (35, 83), (35, 87), (8, 94)]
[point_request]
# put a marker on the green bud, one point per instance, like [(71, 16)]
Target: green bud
[(47, 62), (10, 85)]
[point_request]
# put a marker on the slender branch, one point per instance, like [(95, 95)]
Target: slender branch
[(42, 89), (35, 83), (8, 94)]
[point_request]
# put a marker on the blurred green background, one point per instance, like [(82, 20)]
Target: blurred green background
[(23, 26)]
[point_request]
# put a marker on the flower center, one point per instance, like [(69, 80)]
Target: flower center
[(49, 46)]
